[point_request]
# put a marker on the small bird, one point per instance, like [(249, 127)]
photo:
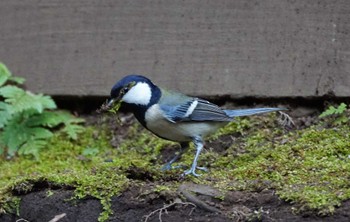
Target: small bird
[(174, 116)]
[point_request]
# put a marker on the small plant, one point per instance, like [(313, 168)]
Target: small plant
[(338, 115), (28, 120)]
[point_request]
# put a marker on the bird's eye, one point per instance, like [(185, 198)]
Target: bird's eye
[(127, 88), (124, 90)]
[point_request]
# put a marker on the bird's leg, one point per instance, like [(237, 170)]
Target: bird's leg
[(183, 148), (198, 142)]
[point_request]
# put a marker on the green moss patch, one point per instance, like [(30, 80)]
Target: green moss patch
[(308, 167)]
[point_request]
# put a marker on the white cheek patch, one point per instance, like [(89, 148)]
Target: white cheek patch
[(139, 94)]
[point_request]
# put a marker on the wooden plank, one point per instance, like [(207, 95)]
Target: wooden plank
[(273, 48)]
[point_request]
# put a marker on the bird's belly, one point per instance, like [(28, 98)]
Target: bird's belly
[(180, 131)]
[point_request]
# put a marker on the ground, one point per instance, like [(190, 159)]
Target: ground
[(261, 206), (166, 196)]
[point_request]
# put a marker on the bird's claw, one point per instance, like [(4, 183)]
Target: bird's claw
[(190, 171), (187, 172), (166, 167), (193, 171), (203, 169)]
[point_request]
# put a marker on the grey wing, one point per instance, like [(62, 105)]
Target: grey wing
[(195, 110)]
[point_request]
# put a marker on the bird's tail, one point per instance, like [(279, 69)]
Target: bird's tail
[(249, 112)]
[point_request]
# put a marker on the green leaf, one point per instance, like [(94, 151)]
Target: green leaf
[(334, 111), (21, 100), (69, 118), (25, 132), (328, 112), (71, 124), (4, 114), (27, 119), (14, 135), (73, 130), (11, 91), (341, 108), (18, 134), (52, 119), (46, 118), (4, 74), (18, 80), (32, 147), (39, 133)]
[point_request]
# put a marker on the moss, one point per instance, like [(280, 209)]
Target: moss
[(63, 163), (308, 167), (240, 125), (90, 165), (9, 204)]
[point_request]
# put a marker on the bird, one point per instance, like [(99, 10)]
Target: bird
[(173, 115)]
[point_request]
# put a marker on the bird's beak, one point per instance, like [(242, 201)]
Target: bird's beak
[(111, 102), (111, 105)]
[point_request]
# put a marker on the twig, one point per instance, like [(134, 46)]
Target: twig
[(191, 198), (164, 209), (58, 217)]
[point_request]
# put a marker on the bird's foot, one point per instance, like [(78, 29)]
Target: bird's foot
[(193, 171), (166, 167), (203, 169), (169, 166)]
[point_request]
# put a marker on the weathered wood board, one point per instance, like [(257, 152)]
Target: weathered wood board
[(272, 48)]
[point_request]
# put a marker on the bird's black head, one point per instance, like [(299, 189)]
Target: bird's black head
[(135, 90)]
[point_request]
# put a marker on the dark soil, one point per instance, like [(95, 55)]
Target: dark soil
[(133, 206), (190, 203)]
